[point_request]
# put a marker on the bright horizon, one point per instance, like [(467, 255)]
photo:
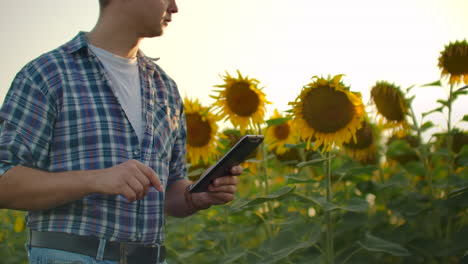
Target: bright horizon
[(281, 45)]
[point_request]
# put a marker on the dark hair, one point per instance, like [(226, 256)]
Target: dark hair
[(103, 3)]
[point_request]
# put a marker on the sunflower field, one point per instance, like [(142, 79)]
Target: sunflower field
[(337, 180)]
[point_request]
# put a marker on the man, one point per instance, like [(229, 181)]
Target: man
[(92, 144)]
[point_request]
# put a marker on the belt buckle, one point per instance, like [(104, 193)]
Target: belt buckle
[(123, 253)]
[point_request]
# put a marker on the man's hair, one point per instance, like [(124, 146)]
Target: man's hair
[(103, 3)]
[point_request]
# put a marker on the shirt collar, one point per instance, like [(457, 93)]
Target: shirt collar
[(80, 42)]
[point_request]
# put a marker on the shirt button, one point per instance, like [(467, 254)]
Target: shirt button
[(136, 152)]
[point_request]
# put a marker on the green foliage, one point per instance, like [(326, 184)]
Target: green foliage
[(12, 237), (408, 207)]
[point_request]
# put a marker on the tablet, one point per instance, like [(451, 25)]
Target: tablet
[(236, 155)]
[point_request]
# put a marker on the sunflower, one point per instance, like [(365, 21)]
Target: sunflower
[(391, 106), (241, 101), (202, 143), (279, 134), (459, 140), (404, 150), (453, 62), (327, 112), (19, 224), (364, 149)]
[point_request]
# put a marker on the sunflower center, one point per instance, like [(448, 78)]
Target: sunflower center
[(242, 100), (364, 137), (282, 131), (327, 110), (389, 103), (456, 59), (198, 131)]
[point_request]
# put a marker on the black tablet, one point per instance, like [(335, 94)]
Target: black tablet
[(236, 155)]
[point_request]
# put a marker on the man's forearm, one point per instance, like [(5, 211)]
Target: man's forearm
[(23, 188), (175, 202)]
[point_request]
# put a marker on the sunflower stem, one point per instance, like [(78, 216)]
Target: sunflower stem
[(265, 162), (449, 130), (328, 215), (449, 117), (423, 152), (269, 207)]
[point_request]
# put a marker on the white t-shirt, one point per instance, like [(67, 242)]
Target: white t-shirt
[(125, 83)]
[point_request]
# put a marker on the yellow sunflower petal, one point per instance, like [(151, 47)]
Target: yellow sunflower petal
[(202, 141), (327, 113), (241, 101)]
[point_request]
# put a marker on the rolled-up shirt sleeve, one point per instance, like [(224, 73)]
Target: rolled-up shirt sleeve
[(177, 168), (27, 119)]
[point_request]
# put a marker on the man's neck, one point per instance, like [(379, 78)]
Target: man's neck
[(114, 39)]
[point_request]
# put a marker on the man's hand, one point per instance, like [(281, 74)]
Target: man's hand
[(221, 191), (131, 179)]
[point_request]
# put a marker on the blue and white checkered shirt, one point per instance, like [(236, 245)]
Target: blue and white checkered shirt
[(60, 114)]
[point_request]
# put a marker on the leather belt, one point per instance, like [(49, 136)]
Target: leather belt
[(88, 245)]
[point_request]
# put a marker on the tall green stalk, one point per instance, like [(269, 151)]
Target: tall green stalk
[(451, 155), (265, 162), (328, 213), (269, 207), (423, 152), (449, 128)]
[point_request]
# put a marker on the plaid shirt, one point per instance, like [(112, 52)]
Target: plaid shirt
[(60, 114)]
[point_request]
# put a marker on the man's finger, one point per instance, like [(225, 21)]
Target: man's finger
[(144, 181), (136, 186), (237, 170), (129, 194), (224, 188), (151, 175), (226, 180)]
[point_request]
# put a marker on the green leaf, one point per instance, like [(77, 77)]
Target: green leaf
[(462, 156), (465, 118), (410, 88), (426, 126), (319, 201), (368, 170), (294, 179), (438, 109), (356, 205), (436, 83), (376, 244), (310, 162), (299, 145), (459, 92), (279, 194), (289, 247), (277, 121), (196, 172), (458, 191), (463, 88), (443, 102), (456, 94), (285, 252), (233, 257)]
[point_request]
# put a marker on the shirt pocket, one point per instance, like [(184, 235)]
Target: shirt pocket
[(164, 124)]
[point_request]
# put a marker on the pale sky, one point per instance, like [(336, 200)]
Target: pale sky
[(282, 43)]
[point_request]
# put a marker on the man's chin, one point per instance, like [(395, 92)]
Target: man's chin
[(153, 34)]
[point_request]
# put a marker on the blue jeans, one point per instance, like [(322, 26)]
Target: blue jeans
[(53, 256)]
